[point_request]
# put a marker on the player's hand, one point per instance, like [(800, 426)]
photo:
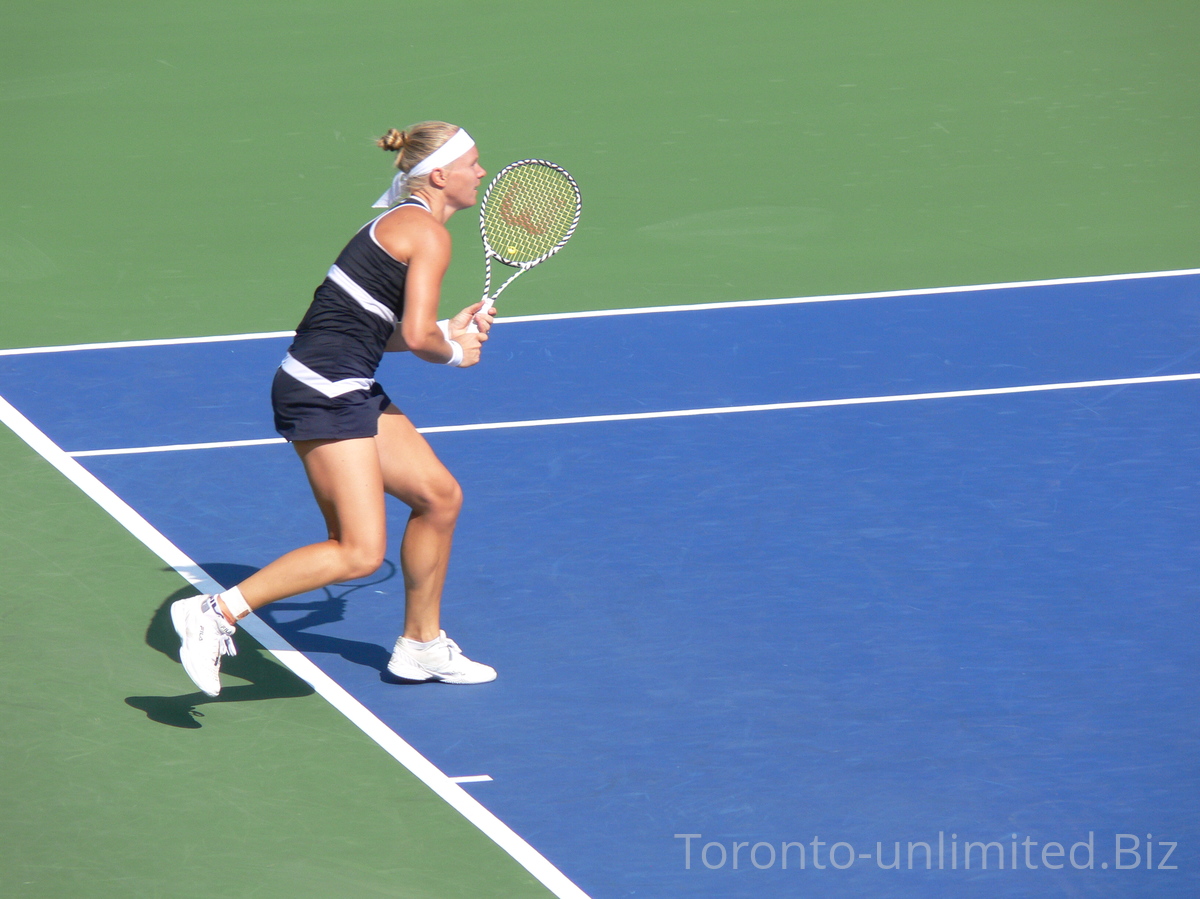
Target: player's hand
[(472, 344), (483, 320)]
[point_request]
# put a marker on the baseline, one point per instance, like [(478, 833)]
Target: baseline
[(642, 310)]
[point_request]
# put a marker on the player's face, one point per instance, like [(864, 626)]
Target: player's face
[(463, 177)]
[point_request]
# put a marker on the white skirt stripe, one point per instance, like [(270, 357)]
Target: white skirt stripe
[(360, 296), (320, 383)]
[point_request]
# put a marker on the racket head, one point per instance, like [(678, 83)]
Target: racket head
[(528, 212)]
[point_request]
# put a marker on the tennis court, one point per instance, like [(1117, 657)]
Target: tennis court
[(885, 590)]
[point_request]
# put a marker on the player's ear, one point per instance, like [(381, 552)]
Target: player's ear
[(437, 178)]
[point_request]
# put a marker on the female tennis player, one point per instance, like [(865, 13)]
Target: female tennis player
[(381, 295)]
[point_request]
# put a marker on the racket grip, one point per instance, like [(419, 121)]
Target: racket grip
[(488, 303)]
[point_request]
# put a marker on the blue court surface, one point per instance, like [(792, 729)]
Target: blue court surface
[(905, 632)]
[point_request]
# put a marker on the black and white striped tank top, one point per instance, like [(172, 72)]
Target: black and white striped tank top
[(353, 313)]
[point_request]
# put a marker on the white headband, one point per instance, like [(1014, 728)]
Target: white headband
[(458, 144)]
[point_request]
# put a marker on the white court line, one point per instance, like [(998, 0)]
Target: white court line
[(127, 344), (839, 297), (643, 310), (473, 779), (685, 413), (297, 662), (174, 447), (817, 404)]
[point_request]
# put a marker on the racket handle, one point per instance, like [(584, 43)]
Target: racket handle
[(488, 303)]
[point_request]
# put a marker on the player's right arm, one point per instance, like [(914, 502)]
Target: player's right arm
[(425, 245)]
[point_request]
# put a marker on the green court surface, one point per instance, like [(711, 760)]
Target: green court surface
[(193, 168)]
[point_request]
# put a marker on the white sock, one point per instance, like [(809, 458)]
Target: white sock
[(413, 644), (235, 603)]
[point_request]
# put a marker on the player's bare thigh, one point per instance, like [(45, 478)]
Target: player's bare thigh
[(347, 482), (411, 470)]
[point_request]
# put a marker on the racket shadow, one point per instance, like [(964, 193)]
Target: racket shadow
[(300, 631)]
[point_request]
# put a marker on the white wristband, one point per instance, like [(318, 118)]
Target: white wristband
[(456, 350)]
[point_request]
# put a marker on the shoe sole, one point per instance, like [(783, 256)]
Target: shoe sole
[(178, 619), (409, 674), (392, 677), (414, 675)]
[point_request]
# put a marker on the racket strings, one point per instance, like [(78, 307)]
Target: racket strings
[(528, 212)]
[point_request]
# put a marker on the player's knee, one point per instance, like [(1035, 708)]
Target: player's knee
[(453, 498), (361, 561), (442, 499)]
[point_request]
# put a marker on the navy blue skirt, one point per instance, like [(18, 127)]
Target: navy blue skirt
[(302, 413)]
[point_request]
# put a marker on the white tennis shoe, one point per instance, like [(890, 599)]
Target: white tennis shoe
[(443, 661), (205, 636)]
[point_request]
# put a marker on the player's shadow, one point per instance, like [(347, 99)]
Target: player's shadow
[(297, 631), (267, 679)]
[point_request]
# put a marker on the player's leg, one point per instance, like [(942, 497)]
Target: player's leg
[(348, 485), (416, 476), (413, 474)]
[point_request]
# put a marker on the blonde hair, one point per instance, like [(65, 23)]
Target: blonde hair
[(415, 144)]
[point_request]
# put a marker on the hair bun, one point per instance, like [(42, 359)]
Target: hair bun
[(393, 141)]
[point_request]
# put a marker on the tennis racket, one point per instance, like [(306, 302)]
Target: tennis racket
[(528, 213)]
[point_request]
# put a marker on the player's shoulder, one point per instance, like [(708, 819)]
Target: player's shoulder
[(407, 213), (411, 229)]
